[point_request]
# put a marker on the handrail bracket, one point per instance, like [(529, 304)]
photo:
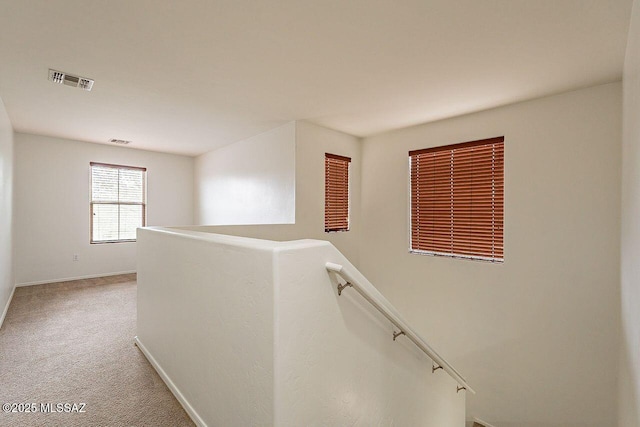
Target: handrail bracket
[(397, 334), (341, 287)]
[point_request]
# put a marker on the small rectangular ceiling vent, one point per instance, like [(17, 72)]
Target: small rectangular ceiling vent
[(70, 80), (120, 141)]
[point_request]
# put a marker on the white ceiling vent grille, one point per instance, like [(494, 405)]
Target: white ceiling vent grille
[(70, 80), (85, 84), (120, 141), (56, 76)]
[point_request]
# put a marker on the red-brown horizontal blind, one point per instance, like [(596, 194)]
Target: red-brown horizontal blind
[(336, 192), (457, 199)]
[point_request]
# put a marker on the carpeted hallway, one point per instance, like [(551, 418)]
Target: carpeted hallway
[(72, 342)]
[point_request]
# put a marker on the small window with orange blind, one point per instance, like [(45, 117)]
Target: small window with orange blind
[(457, 200), (336, 192)]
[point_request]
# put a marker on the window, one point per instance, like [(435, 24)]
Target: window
[(336, 192), (457, 200), (118, 202)]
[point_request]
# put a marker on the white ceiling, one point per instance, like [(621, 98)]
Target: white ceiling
[(188, 76)]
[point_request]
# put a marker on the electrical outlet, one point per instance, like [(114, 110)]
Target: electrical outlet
[(75, 257)]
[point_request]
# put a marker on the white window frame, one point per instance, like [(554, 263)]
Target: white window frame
[(92, 203)]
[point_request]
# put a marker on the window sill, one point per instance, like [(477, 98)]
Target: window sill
[(102, 242), (457, 256)]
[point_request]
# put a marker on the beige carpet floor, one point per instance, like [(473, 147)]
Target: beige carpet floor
[(72, 342)]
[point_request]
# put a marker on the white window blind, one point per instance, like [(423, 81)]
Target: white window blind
[(118, 202)]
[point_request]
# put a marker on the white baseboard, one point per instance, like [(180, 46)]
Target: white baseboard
[(183, 401), (484, 423), (69, 279), (6, 307)]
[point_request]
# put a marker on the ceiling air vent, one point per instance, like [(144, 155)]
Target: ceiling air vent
[(56, 76), (70, 80), (85, 84), (120, 141)]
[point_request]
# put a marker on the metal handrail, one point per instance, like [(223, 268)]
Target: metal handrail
[(375, 298)]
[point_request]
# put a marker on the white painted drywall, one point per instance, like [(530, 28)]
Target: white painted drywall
[(252, 332), (336, 362), (311, 143), (249, 182), (537, 336), (205, 314), (629, 374), (52, 206), (6, 210)]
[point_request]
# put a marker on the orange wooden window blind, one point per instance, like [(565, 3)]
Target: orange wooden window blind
[(457, 200), (336, 192)]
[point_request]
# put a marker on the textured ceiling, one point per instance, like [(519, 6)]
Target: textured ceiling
[(190, 76)]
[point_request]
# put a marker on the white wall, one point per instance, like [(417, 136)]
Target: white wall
[(52, 206), (336, 362), (629, 375), (537, 336), (261, 337), (6, 211), (249, 182), (311, 143), (213, 338)]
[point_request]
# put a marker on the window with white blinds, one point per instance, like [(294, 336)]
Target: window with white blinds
[(336, 192), (457, 200), (118, 202)]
